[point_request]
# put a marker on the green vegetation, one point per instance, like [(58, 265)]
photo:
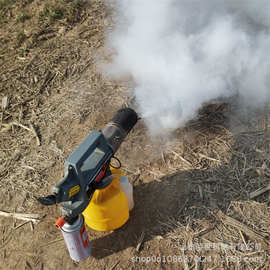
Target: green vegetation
[(22, 17), (15, 16), (66, 9), (52, 11), (21, 37), (50, 14), (6, 3), (75, 10)]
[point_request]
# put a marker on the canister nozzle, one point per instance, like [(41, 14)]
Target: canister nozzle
[(60, 223)]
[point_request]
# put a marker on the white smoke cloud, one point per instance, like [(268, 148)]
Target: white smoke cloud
[(183, 53)]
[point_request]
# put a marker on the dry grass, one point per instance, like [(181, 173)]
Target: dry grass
[(225, 153), (238, 239), (41, 63), (49, 83), (219, 209)]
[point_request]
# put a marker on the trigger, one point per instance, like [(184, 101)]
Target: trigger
[(102, 172)]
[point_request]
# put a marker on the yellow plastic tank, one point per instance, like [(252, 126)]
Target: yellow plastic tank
[(108, 209)]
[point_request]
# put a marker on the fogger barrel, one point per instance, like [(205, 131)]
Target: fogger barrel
[(108, 209), (117, 129)]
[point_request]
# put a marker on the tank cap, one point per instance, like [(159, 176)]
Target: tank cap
[(60, 222)]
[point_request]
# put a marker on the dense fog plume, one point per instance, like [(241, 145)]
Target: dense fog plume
[(184, 53)]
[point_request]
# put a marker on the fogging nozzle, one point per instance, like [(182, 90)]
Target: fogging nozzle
[(125, 118), (120, 125)]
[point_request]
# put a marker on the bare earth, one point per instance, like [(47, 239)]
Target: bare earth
[(194, 207)]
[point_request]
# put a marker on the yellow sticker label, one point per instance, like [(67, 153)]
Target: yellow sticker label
[(74, 190)]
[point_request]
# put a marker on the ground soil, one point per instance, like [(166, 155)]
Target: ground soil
[(186, 188)]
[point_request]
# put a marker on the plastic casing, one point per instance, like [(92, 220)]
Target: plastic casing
[(127, 188), (108, 209)]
